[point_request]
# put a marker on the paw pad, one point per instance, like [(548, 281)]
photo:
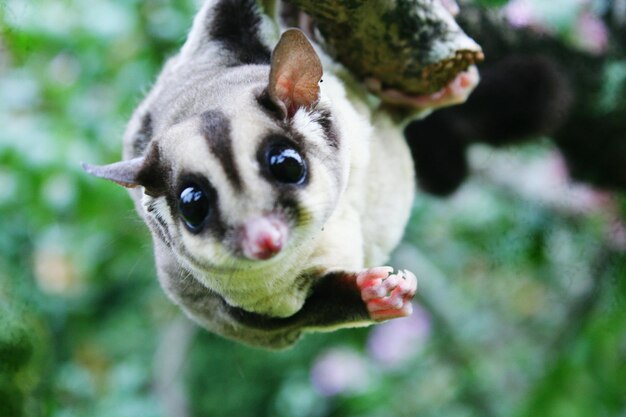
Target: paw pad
[(387, 295)]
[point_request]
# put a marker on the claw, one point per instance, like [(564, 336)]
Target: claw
[(385, 294)]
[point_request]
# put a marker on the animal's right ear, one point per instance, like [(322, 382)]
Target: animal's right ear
[(125, 173), (295, 72)]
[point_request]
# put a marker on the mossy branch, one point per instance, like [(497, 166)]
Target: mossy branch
[(414, 46)]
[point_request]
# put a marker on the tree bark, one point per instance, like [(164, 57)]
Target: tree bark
[(414, 46)]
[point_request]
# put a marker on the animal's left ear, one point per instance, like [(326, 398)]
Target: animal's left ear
[(295, 72), (125, 173)]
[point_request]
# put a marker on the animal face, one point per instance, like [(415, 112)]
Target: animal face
[(242, 182), (250, 172)]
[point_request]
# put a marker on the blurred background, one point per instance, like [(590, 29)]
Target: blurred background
[(522, 301)]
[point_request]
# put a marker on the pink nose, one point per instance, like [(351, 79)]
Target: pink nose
[(263, 237)]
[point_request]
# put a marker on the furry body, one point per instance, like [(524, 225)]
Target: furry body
[(207, 120)]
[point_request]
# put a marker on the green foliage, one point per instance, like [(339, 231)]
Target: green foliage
[(492, 3), (15, 346), (522, 302)]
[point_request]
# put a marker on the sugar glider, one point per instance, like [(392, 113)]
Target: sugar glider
[(272, 197)]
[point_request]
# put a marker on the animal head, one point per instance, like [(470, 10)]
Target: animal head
[(251, 173)]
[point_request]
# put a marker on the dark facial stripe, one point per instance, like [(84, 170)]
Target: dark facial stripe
[(236, 24), (325, 119), (143, 136), (270, 107), (216, 129)]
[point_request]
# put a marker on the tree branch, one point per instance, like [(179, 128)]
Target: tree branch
[(414, 46)]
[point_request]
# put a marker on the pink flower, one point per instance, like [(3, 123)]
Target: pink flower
[(591, 33), (520, 13), (337, 371)]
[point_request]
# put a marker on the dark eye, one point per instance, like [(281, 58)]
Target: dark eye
[(194, 207), (287, 165)]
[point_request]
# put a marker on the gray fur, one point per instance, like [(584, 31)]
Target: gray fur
[(207, 119)]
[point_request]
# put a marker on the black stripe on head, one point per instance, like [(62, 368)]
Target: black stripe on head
[(215, 127), (325, 119), (143, 137), (271, 107), (236, 24)]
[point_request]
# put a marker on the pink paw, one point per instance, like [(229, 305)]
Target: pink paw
[(455, 92), (387, 295)]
